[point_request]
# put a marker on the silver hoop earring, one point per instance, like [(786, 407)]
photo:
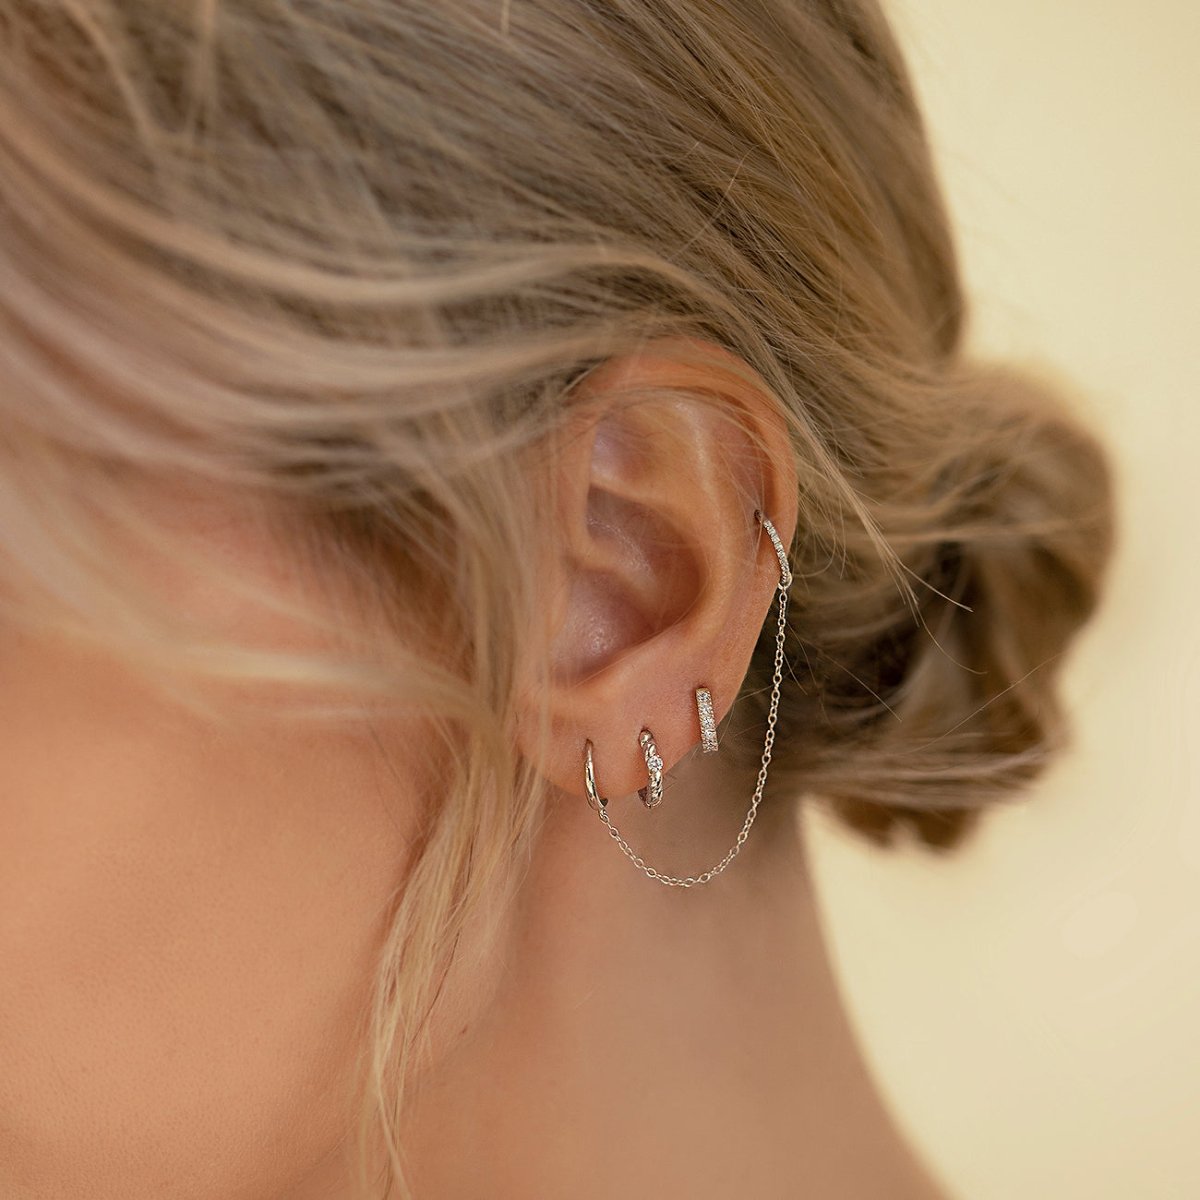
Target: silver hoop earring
[(597, 801), (648, 794)]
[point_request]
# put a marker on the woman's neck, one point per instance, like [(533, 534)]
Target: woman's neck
[(639, 1037)]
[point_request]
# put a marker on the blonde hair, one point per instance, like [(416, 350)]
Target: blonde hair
[(350, 258)]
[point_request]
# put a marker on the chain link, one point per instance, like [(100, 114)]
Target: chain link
[(772, 713)]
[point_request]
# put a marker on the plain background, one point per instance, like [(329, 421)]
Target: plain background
[(1031, 1005)]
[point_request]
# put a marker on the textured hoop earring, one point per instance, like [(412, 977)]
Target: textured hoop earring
[(652, 793), (601, 805)]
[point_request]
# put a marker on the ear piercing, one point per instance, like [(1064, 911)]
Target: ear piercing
[(652, 793)]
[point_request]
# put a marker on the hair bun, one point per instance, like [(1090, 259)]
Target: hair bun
[(937, 715)]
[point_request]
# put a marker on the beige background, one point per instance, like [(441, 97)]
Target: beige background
[(1032, 1006)]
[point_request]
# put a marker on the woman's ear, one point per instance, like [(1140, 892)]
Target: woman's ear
[(655, 576)]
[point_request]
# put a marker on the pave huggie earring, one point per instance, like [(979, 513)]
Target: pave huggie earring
[(647, 742), (652, 793), (708, 723)]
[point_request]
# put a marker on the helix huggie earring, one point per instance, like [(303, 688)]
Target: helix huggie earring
[(601, 805)]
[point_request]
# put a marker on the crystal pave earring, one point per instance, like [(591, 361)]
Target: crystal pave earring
[(652, 793), (708, 722)]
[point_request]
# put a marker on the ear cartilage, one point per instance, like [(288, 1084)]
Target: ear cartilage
[(708, 723)]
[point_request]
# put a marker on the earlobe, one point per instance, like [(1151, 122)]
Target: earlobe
[(658, 571)]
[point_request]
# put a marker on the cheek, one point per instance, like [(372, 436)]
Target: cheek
[(189, 920)]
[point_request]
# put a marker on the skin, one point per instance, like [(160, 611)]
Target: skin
[(190, 912), (650, 1040)]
